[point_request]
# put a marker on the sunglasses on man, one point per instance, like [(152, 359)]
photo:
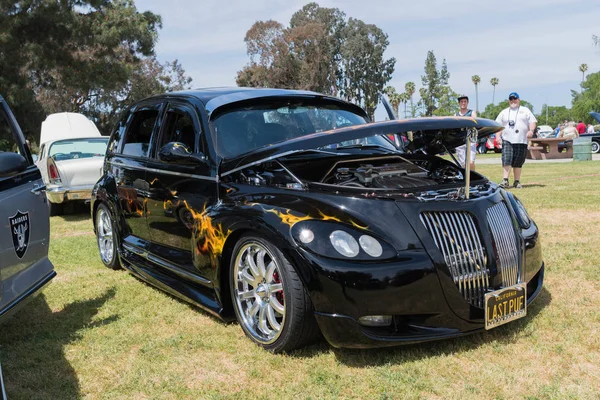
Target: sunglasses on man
[(512, 98)]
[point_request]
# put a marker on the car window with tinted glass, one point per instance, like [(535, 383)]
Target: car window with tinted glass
[(178, 126), (137, 139), (7, 141)]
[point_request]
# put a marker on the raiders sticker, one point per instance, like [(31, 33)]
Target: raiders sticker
[(19, 227)]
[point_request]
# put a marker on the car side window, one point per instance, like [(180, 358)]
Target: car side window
[(178, 126), (118, 133), (7, 140), (137, 139)]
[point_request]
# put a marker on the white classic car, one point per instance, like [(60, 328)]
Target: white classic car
[(71, 158)]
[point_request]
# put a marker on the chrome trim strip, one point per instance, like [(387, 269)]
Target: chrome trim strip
[(164, 171), (456, 236), (167, 265), (508, 251)]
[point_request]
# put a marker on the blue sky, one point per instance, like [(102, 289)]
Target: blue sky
[(533, 47)]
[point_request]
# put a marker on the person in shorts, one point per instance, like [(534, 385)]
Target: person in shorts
[(519, 124), (464, 111)]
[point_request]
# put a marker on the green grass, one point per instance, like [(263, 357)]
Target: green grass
[(96, 333)]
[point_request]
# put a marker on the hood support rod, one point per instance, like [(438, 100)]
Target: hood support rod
[(471, 137)]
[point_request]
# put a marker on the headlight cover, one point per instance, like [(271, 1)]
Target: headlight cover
[(335, 240), (522, 215), (344, 243)]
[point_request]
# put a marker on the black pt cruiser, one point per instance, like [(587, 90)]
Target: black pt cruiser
[(291, 212)]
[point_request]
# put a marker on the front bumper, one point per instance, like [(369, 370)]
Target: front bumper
[(439, 322), (61, 194)]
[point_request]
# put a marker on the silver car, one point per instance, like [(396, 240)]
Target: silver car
[(24, 228), (71, 158)]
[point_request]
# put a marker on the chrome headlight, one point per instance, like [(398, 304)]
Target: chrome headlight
[(371, 246), (335, 240), (344, 243)]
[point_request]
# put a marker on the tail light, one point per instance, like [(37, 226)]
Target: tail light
[(53, 175)]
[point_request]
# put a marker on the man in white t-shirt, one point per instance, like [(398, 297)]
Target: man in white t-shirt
[(519, 125)]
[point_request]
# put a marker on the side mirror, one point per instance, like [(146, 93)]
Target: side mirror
[(179, 152), (11, 164)]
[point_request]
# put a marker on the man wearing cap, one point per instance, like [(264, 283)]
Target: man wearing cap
[(519, 124), (463, 102)]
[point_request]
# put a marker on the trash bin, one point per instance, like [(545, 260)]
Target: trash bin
[(582, 149)]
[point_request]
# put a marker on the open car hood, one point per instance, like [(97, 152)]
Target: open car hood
[(433, 135), (596, 116)]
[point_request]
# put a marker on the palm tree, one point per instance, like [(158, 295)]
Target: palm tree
[(395, 98), (404, 97), (410, 90), (582, 69), (476, 79), (494, 81)]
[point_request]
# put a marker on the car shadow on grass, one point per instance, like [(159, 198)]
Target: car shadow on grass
[(32, 347), (502, 336)]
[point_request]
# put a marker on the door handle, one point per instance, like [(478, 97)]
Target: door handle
[(38, 189)]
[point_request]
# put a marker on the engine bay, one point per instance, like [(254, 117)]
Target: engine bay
[(373, 173)]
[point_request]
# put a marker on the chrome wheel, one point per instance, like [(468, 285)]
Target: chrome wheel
[(104, 233), (595, 147), (258, 292)]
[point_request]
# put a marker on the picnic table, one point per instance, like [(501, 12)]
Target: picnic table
[(549, 149)]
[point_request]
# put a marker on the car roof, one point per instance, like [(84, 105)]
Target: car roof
[(213, 98)]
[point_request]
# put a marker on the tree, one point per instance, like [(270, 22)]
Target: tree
[(409, 88), (494, 81), (476, 79), (588, 100), (434, 82), (319, 51), (448, 102), (582, 69), (395, 98), (556, 115), (69, 51), (332, 22), (365, 70)]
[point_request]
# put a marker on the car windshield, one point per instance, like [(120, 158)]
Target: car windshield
[(78, 148), (245, 129)]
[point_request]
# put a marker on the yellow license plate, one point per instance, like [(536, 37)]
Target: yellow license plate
[(505, 305)]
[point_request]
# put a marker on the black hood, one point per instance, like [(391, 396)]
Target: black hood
[(432, 135), (596, 116)]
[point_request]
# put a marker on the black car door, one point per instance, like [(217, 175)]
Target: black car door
[(128, 165), (178, 191)]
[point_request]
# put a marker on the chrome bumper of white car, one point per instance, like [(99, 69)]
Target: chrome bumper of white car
[(61, 194)]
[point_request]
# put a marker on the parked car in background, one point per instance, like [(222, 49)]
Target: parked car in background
[(544, 131), (493, 143), (24, 229), (595, 137), (71, 157), (290, 212)]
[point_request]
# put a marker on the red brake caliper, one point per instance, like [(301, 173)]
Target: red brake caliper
[(279, 294)]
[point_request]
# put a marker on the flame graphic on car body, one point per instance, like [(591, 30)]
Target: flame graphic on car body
[(209, 238)]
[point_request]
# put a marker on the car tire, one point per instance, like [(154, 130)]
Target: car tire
[(270, 301), (595, 147), (106, 238), (55, 208)]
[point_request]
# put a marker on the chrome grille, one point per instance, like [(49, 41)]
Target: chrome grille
[(457, 237), (507, 247)]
